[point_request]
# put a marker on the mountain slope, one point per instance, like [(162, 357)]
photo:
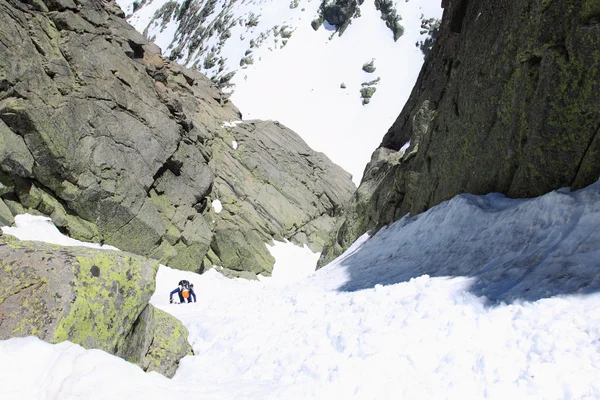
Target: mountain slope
[(298, 83)]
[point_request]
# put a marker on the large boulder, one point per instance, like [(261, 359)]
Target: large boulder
[(338, 13), (95, 298), (157, 342), (507, 101)]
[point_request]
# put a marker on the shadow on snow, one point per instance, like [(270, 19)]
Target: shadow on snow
[(516, 249)]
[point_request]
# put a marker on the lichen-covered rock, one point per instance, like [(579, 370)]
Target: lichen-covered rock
[(6, 217), (391, 17), (507, 101), (14, 155), (157, 342), (87, 296), (90, 297)]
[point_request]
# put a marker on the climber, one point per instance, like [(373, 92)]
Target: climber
[(185, 290)]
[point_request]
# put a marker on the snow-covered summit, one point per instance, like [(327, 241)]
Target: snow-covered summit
[(277, 66)]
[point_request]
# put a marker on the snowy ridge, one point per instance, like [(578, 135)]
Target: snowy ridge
[(481, 297), (279, 68)]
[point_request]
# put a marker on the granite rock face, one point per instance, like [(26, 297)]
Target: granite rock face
[(507, 101), (112, 141), (94, 123), (157, 342), (271, 185), (94, 298)]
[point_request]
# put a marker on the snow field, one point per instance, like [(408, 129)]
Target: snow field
[(426, 338), (30, 227), (401, 315)]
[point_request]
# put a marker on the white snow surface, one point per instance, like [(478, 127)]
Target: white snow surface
[(217, 205), (292, 263), (230, 124), (41, 229), (481, 297), (299, 84)]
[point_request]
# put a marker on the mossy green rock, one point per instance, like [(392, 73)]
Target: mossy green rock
[(243, 251), (14, 155), (157, 342), (507, 101), (6, 217), (94, 298), (369, 67)]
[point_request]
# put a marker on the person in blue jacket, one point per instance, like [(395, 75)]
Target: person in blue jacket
[(185, 290)]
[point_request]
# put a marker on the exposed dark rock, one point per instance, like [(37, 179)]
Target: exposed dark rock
[(337, 13), (369, 67), (508, 101), (391, 17), (431, 27), (157, 342)]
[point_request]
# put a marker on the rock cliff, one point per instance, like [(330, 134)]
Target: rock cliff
[(507, 101), (271, 185), (120, 146)]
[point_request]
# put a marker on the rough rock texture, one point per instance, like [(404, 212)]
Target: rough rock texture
[(508, 101), (100, 133), (157, 342), (94, 123), (271, 185), (91, 297), (338, 13)]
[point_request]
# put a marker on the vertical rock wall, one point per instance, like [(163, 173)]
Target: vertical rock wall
[(508, 101)]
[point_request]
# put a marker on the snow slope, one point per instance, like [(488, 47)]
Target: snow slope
[(481, 297), (298, 83)]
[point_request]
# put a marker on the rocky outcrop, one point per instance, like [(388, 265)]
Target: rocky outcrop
[(157, 342), (107, 138), (95, 298), (337, 13), (508, 101), (271, 185)]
